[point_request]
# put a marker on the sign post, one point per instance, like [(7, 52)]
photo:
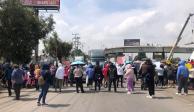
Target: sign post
[(41, 5)]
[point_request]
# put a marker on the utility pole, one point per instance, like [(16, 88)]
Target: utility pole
[(37, 43), (179, 38), (76, 41)]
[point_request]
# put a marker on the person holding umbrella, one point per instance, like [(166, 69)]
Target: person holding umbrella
[(78, 73)]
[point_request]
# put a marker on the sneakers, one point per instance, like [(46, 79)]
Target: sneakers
[(149, 97), (178, 94), (185, 94), (129, 93), (38, 104)]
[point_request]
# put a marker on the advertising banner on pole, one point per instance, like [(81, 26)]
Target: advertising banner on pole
[(131, 42), (47, 4)]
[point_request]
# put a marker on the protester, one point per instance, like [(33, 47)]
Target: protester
[(17, 80), (171, 75), (160, 73), (78, 74), (8, 72), (66, 75), (112, 74), (90, 75), (71, 76), (120, 73), (142, 76), (37, 75), (105, 74), (32, 75), (182, 77), (130, 79), (98, 76), (53, 72), (148, 70), (45, 82), (59, 77)]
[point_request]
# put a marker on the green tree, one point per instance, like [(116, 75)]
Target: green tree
[(20, 31), (55, 47), (77, 52), (140, 56)]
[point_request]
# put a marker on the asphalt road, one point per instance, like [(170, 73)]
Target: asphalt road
[(69, 101)]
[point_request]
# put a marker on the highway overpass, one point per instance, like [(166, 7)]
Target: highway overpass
[(147, 49)]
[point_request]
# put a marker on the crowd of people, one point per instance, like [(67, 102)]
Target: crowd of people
[(48, 75)]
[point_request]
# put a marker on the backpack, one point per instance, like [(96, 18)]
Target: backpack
[(41, 81)]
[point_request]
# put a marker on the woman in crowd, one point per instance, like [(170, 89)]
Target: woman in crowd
[(78, 74), (130, 79), (46, 80)]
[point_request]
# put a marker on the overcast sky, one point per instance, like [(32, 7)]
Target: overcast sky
[(106, 23)]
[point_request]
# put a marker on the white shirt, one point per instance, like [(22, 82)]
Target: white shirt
[(120, 69), (60, 73), (160, 71)]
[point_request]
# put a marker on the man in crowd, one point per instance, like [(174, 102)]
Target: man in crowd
[(17, 80)]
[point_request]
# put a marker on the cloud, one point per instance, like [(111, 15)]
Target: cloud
[(158, 21)]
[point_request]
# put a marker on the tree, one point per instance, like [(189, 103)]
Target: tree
[(55, 47), (77, 52), (140, 56), (20, 31)]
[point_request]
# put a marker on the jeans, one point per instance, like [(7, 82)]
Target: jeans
[(9, 86), (151, 87), (58, 84), (118, 78), (112, 80), (183, 83), (44, 90), (17, 89), (97, 84), (78, 81), (36, 84), (161, 80)]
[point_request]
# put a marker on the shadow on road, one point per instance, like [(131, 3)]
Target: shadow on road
[(159, 90), (139, 92), (28, 99), (63, 91), (190, 94), (58, 105), (163, 98)]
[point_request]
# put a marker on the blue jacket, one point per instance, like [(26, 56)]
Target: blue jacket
[(17, 76), (90, 72), (8, 72), (45, 72), (182, 70)]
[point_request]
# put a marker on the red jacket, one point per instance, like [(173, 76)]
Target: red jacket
[(105, 70)]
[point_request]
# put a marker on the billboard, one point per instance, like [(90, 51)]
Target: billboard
[(42, 4), (131, 42)]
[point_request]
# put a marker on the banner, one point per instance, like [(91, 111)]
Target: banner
[(131, 42), (41, 3)]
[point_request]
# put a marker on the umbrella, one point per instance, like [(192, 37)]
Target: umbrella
[(77, 63), (128, 62)]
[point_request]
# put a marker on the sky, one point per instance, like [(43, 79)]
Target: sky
[(106, 23)]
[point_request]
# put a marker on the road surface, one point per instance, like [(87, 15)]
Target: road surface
[(69, 101)]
